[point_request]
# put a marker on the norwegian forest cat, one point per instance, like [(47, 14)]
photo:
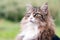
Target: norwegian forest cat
[(37, 24)]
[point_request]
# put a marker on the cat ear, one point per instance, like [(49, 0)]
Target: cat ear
[(44, 7), (29, 7)]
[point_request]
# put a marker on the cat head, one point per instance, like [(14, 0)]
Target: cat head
[(37, 14)]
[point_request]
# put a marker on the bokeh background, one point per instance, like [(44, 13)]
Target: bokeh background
[(12, 11)]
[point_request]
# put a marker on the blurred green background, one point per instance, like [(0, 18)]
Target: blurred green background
[(12, 11)]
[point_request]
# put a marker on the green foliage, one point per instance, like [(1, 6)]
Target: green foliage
[(11, 10), (55, 10)]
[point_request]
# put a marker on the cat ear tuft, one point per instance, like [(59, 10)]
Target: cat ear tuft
[(28, 7), (44, 7)]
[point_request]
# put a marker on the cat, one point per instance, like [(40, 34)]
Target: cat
[(37, 24)]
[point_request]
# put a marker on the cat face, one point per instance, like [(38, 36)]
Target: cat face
[(37, 14)]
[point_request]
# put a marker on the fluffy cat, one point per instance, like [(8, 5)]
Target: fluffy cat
[(37, 24)]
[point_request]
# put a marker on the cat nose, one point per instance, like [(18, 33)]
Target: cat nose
[(31, 18)]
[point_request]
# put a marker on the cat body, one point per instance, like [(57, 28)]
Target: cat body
[(37, 24)]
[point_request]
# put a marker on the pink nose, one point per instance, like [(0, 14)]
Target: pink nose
[(31, 18)]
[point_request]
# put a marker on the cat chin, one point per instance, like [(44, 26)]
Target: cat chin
[(32, 21)]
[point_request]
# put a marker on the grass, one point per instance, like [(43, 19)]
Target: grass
[(9, 30), (58, 30)]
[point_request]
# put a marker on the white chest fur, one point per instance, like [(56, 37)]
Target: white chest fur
[(30, 31)]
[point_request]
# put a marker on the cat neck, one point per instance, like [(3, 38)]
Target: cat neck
[(31, 26)]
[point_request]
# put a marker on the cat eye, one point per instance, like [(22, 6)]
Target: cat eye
[(27, 15), (37, 15)]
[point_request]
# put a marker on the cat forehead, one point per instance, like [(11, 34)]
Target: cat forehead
[(36, 9)]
